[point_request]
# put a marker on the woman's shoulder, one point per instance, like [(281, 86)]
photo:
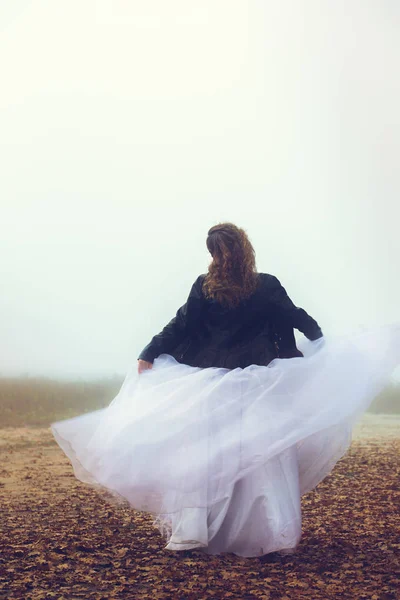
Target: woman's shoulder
[(265, 277), (197, 287), (200, 279), (269, 280)]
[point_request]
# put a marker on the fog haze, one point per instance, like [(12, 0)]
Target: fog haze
[(130, 128)]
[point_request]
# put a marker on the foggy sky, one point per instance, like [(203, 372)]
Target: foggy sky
[(128, 128)]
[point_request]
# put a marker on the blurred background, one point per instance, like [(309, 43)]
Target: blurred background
[(128, 128)]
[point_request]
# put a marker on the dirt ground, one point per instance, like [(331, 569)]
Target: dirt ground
[(62, 539)]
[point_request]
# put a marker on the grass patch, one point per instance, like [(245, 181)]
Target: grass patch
[(37, 402)]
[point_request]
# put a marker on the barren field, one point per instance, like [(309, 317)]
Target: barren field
[(61, 539)]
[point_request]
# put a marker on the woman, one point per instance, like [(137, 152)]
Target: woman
[(234, 316), (226, 423)]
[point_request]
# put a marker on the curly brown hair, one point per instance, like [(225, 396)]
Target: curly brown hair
[(232, 274)]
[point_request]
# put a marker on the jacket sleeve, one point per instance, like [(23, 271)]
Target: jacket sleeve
[(184, 323), (298, 317)]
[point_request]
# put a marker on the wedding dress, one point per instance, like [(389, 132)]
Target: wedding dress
[(221, 457)]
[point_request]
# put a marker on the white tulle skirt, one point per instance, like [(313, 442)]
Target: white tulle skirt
[(221, 457)]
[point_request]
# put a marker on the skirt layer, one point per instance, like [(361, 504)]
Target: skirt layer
[(221, 457)]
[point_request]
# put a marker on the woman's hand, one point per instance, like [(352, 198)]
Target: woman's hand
[(143, 365)]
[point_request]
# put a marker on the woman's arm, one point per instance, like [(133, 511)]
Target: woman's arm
[(298, 317), (184, 322)]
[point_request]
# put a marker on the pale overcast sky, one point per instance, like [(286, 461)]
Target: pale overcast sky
[(128, 128)]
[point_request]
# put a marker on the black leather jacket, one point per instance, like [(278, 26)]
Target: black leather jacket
[(203, 333)]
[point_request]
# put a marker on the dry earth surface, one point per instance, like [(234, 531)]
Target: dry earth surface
[(62, 539)]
